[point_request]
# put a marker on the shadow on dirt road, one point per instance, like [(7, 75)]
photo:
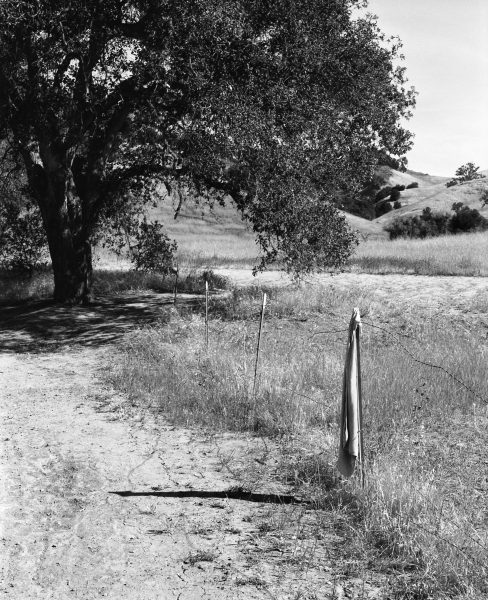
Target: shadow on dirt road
[(40, 326)]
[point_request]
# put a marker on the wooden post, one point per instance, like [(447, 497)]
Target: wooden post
[(206, 313), (256, 364), (360, 407), (175, 291)]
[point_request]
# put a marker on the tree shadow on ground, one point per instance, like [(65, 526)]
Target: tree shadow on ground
[(43, 326)]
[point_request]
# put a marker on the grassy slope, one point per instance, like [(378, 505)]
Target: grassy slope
[(432, 192), (219, 236)]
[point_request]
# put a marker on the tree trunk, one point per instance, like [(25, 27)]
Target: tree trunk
[(71, 254), (72, 266)]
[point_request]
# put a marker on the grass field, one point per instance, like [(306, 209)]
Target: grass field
[(421, 517), (447, 255)]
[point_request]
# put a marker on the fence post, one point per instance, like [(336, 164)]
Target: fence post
[(206, 312), (175, 290), (256, 364)]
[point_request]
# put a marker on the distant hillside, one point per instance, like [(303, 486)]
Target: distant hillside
[(435, 195), (366, 229), (392, 177)]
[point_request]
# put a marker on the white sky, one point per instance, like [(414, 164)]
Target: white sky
[(445, 43)]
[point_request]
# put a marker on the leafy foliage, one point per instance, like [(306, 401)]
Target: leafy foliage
[(430, 224), (395, 195), (283, 105), (413, 185), (467, 172), (466, 219), (22, 239), (152, 251), (484, 198), (385, 192), (382, 208), (23, 244)]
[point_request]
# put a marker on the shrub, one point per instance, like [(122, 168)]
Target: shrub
[(466, 219), (428, 224), (23, 244), (153, 250), (382, 208), (395, 195), (484, 198), (383, 193), (400, 188), (412, 185), (397, 205)]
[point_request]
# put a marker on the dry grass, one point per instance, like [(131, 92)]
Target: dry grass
[(422, 514), (448, 255), (111, 282)]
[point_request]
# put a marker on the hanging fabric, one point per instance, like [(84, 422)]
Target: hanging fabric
[(350, 449)]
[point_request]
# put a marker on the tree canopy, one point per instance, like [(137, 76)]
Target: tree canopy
[(282, 105)]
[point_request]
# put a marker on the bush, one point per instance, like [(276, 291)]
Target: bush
[(400, 188), (382, 208), (383, 193), (397, 205), (466, 219), (395, 195), (23, 244), (412, 185), (153, 251), (430, 224)]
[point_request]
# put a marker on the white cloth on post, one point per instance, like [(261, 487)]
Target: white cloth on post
[(350, 446)]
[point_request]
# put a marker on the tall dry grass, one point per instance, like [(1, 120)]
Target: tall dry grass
[(465, 254), (422, 514)]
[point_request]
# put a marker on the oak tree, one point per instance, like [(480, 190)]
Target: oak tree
[(281, 105)]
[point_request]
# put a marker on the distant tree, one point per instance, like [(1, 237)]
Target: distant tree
[(412, 185), (281, 105), (467, 172), (397, 205)]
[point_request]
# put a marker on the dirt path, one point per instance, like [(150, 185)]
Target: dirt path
[(68, 442)]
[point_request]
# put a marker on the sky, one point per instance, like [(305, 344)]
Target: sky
[(445, 43)]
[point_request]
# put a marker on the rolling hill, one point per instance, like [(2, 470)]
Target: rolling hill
[(219, 234), (432, 192)]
